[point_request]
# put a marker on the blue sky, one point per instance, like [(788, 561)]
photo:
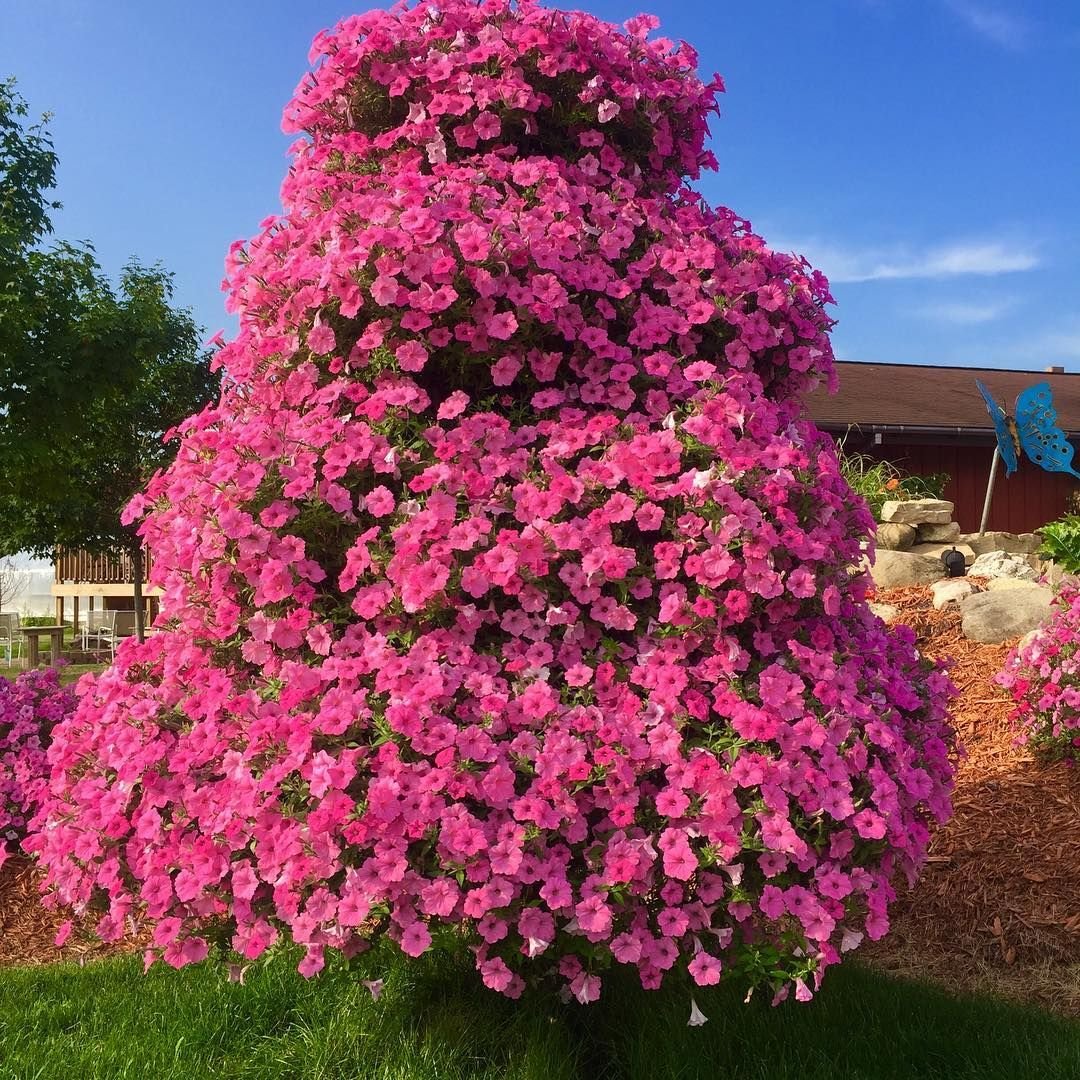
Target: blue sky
[(924, 153)]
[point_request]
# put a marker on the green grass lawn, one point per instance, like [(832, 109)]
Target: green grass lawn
[(69, 673), (108, 1021)]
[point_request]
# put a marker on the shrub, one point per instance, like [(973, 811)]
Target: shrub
[(29, 709), (1061, 542), (506, 593), (1044, 676)]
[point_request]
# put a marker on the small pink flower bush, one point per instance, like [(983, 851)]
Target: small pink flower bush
[(507, 595), (1044, 677), (30, 707)]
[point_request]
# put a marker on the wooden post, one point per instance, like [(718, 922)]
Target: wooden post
[(989, 491), (60, 611), (137, 575), (75, 615)]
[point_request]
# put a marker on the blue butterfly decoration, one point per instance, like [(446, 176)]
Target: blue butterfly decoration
[(1034, 430)]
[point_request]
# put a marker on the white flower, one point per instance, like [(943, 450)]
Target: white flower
[(607, 110), (536, 945), (697, 1017), (850, 940), (724, 936), (436, 150), (375, 986)]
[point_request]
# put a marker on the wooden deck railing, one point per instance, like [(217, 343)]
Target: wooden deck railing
[(84, 567)]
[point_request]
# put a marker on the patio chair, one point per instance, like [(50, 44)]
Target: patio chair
[(100, 627), (10, 638)]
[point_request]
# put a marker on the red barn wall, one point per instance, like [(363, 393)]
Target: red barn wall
[(1029, 499)]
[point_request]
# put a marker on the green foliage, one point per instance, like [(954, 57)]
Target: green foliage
[(108, 1020), (27, 171), (91, 376), (879, 482), (48, 353), (1061, 542)]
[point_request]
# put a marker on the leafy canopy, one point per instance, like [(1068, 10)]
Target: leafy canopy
[(91, 376)]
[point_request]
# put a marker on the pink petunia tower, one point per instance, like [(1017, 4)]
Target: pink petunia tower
[(507, 597)]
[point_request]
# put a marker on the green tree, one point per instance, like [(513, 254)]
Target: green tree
[(91, 376)]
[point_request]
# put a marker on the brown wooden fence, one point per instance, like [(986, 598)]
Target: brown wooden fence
[(84, 567)]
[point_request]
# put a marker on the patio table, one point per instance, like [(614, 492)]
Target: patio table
[(34, 634)]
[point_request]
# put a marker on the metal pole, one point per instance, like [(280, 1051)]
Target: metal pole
[(989, 491)]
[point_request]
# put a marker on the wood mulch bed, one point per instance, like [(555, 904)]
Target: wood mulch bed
[(998, 904), (997, 907), (28, 930)]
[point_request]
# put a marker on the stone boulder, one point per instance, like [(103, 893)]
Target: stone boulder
[(1001, 584), (951, 591), (1054, 573), (918, 512), (1024, 544), (993, 617), (892, 536), (887, 613), (897, 568), (935, 551), (937, 534), (1000, 564)]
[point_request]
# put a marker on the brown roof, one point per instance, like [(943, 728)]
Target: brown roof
[(916, 396)]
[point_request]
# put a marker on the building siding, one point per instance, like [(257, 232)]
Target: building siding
[(1024, 502)]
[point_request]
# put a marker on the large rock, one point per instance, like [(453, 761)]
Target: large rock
[(896, 568), (1000, 564), (935, 551), (997, 616), (1054, 573), (937, 534), (893, 536), (887, 613), (918, 512), (1001, 584), (951, 591), (1024, 544)]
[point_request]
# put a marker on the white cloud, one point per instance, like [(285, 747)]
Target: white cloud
[(968, 314), (1058, 344), (1002, 28), (979, 258)]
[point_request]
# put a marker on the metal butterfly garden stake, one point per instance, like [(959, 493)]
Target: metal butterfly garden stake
[(1033, 430)]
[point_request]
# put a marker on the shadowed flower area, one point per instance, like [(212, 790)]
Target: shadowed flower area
[(31, 705)]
